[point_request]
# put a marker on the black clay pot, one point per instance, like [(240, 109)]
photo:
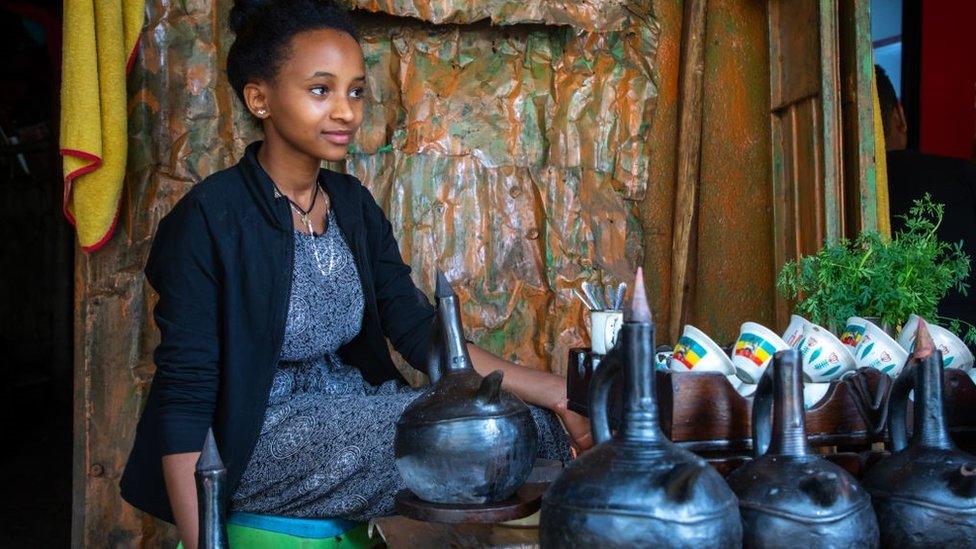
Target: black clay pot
[(925, 492), (636, 489), (788, 496), (464, 440)]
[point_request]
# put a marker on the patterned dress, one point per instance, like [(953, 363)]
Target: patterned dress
[(326, 445)]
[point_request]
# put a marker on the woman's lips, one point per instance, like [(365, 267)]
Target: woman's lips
[(339, 138)]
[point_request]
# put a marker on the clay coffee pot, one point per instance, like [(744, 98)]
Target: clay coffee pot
[(925, 492), (464, 440), (788, 495), (636, 489)]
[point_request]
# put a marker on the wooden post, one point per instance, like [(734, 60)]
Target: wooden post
[(683, 241)]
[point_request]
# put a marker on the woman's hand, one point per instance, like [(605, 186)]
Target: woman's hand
[(577, 426)]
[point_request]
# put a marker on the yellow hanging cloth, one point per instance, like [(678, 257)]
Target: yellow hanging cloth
[(881, 164), (99, 44)]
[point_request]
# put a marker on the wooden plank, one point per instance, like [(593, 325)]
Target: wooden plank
[(794, 51), (807, 142), (857, 113), (830, 122), (689, 157)]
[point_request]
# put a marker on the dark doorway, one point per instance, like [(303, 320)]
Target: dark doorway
[(36, 284)]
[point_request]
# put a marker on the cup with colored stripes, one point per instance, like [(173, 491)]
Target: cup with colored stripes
[(754, 349), (696, 352), (853, 331)]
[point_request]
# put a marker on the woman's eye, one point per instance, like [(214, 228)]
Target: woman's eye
[(320, 90), (358, 93)]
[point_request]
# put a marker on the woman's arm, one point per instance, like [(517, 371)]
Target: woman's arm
[(182, 268), (182, 490), (540, 388)]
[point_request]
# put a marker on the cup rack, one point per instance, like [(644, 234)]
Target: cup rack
[(704, 413)]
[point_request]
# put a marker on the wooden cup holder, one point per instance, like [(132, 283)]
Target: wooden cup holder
[(705, 414)]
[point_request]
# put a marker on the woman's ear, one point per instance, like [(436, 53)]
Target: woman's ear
[(256, 99)]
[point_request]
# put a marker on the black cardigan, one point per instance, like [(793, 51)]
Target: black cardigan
[(221, 263)]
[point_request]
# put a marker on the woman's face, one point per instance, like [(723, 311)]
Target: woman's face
[(316, 102)]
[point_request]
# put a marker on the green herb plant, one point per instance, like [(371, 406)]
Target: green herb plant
[(878, 277)]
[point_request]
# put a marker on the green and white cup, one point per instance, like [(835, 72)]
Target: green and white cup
[(876, 349), (825, 358), (794, 332), (813, 393), (955, 353)]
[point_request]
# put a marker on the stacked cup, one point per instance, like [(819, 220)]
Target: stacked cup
[(825, 358), (696, 352), (955, 353), (873, 348)]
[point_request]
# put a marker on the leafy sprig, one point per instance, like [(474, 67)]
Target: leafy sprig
[(888, 279)]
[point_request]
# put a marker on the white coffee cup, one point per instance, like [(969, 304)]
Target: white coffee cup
[(876, 349), (794, 332), (906, 337), (825, 358), (735, 381), (853, 331), (813, 393), (604, 328), (747, 390), (955, 353), (696, 352), (754, 350)]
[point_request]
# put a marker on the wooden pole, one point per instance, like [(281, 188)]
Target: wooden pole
[(683, 241)]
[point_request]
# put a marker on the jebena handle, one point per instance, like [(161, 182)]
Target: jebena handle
[(898, 406), (600, 385), (762, 417)]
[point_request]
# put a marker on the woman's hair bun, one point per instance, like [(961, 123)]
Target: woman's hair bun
[(244, 12)]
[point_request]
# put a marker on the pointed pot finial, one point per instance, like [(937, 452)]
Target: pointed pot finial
[(209, 459), (443, 287), (923, 341), (639, 311)]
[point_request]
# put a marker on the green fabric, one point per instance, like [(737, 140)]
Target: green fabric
[(242, 537)]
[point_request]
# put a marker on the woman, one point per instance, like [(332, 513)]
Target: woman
[(279, 285)]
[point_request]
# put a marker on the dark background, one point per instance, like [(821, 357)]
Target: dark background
[(36, 284)]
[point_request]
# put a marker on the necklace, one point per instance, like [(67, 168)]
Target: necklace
[(304, 215)]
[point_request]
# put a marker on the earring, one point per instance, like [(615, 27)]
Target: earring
[(262, 113)]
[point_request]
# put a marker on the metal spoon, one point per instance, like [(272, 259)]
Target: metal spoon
[(584, 299), (618, 300), (594, 296)]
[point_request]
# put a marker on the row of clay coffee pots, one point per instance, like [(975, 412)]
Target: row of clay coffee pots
[(925, 492), (636, 489), (464, 440)]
